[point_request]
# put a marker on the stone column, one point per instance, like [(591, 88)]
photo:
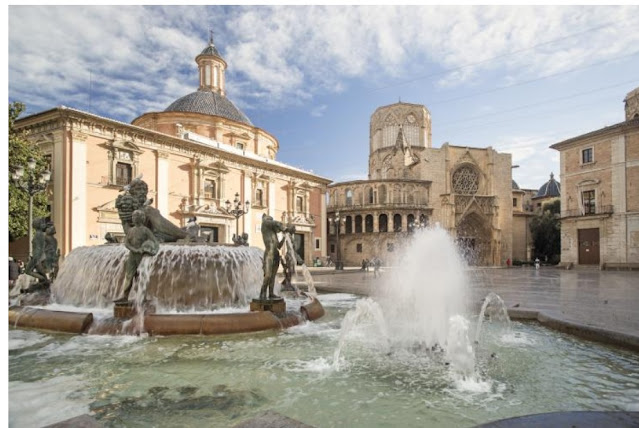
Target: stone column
[(162, 185), (323, 222), (78, 192)]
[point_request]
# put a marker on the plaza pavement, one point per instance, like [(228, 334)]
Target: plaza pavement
[(583, 300)]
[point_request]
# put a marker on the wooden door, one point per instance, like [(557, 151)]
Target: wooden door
[(588, 246)]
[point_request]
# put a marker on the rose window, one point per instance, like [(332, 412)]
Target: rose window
[(465, 181)]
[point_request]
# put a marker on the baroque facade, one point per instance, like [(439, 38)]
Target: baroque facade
[(411, 184), (197, 154), (600, 201)]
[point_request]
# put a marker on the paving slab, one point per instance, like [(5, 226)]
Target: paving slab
[(606, 300)]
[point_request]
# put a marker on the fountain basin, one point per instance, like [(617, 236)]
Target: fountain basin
[(163, 324)]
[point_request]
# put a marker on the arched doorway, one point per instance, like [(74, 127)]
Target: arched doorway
[(474, 238)]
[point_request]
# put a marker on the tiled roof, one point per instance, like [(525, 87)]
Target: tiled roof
[(209, 102)]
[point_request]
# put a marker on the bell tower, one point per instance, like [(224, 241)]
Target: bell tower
[(212, 68)]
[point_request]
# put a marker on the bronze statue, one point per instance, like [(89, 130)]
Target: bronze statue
[(51, 252), (240, 240), (139, 241), (289, 261), (36, 267), (135, 198), (270, 229)]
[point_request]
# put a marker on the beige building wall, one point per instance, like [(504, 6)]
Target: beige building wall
[(610, 173)]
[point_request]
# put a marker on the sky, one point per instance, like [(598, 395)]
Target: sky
[(516, 78)]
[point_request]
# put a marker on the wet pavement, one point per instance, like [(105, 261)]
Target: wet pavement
[(601, 299)]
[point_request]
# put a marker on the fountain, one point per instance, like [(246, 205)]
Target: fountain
[(403, 357), (163, 280)]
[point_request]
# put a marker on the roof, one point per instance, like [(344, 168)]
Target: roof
[(515, 186), (210, 50), (209, 102), (549, 189)]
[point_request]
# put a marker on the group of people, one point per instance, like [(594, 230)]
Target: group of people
[(375, 262)]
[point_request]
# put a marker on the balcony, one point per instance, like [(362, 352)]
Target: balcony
[(377, 206), (600, 210)]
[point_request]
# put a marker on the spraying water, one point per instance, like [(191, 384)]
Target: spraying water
[(182, 277), (495, 308), (290, 253), (420, 305)]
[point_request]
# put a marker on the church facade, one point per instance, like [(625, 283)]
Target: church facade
[(467, 191), (198, 154)]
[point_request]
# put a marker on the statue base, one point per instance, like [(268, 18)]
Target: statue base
[(277, 306), (127, 309)]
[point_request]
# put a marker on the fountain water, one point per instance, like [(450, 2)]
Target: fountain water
[(180, 277)]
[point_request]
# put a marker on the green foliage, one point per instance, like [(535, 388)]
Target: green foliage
[(546, 233), (20, 150)]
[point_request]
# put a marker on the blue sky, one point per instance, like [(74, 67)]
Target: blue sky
[(515, 78)]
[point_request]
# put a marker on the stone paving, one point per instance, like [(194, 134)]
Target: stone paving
[(603, 299)]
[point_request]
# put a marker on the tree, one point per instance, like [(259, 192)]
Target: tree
[(20, 151), (546, 232)]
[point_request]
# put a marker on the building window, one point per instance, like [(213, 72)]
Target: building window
[(465, 180), (349, 224), (239, 146), (317, 243), (383, 223), (368, 223), (588, 198), (359, 248), (332, 248), (358, 224), (209, 189), (586, 155), (514, 202), (390, 247), (123, 173), (259, 197), (397, 223), (349, 197), (299, 204), (371, 196)]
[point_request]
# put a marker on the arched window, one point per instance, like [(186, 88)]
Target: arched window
[(383, 223), (349, 197), (358, 224), (349, 224), (397, 223), (410, 219), (369, 223), (371, 196), (381, 194)]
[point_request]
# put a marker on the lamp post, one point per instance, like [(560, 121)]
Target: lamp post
[(32, 185), (235, 209), (336, 220)]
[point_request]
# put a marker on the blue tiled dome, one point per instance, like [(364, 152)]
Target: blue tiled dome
[(209, 102), (550, 188)]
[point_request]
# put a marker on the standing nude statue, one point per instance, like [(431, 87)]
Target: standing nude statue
[(140, 241), (36, 267), (270, 229)]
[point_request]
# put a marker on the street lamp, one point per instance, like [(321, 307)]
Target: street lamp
[(237, 211), (32, 185), (336, 220)]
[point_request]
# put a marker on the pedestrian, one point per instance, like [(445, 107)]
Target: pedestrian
[(377, 263), (537, 263), (14, 271)]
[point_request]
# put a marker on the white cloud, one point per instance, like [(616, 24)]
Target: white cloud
[(319, 110), (285, 55)]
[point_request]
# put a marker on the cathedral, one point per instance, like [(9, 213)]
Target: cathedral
[(201, 157), (466, 190)]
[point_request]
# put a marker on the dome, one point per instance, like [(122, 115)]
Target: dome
[(515, 186), (211, 103), (550, 189), (210, 50)]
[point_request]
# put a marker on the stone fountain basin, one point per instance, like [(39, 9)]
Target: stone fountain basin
[(163, 324)]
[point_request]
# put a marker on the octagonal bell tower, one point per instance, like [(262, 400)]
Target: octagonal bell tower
[(398, 129)]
